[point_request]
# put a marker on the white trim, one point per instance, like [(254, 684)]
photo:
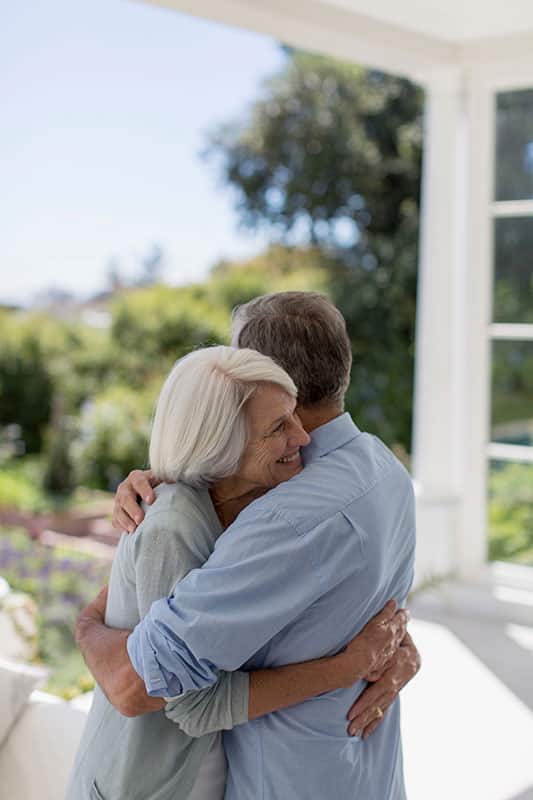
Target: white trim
[(439, 305), (513, 208), (508, 76), (510, 452), (512, 331), (353, 36), (337, 32), (492, 52), (471, 537)]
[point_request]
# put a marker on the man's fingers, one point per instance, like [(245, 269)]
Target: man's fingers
[(122, 522), (140, 482), (127, 499), (127, 513)]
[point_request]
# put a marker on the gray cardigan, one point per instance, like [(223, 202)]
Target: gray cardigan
[(157, 756)]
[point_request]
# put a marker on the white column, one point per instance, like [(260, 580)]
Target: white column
[(439, 371), (471, 538), (452, 353)]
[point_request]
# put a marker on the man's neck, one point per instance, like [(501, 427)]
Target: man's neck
[(314, 416)]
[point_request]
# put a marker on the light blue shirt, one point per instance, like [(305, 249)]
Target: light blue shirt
[(295, 577)]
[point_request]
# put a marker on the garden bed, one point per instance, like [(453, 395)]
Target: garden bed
[(61, 580)]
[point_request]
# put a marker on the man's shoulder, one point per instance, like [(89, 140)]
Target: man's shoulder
[(332, 482)]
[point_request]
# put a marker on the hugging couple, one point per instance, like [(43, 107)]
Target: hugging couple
[(252, 641)]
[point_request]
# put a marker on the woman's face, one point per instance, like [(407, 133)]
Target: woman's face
[(276, 435)]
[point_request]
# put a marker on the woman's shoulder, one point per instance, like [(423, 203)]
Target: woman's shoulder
[(180, 512), (180, 523), (177, 499)]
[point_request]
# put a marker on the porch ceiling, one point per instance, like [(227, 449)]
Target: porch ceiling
[(419, 39), (453, 21)]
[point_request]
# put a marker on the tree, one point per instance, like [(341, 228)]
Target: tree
[(59, 476), (114, 434), (329, 157), (280, 268), (25, 383), (153, 327)]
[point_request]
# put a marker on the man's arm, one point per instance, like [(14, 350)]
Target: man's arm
[(262, 575), (127, 514), (104, 650), (198, 713)]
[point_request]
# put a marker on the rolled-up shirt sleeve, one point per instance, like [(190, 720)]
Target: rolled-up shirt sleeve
[(262, 575)]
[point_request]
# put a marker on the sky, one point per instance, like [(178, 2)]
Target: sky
[(105, 107)]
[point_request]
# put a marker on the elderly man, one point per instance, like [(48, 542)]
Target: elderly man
[(295, 577)]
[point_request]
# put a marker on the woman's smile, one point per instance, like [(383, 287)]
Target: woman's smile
[(290, 459)]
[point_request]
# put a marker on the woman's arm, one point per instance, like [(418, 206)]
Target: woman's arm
[(160, 559), (239, 696)]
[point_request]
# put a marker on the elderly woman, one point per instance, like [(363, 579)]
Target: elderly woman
[(225, 431)]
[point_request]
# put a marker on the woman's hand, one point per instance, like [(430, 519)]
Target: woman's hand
[(127, 511), (370, 653), (370, 707)]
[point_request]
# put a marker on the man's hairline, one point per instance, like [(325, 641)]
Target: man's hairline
[(235, 330)]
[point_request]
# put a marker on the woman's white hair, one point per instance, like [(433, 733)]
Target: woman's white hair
[(200, 427)]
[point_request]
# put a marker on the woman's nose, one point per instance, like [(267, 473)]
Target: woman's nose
[(299, 435)]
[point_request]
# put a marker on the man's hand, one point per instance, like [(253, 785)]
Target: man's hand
[(370, 707), (372, 650), (104, 651), (127, 511)]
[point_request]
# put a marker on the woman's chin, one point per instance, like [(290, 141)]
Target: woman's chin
[(287, 471)]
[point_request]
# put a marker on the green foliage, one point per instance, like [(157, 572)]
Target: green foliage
[(325, 141), (61, 582), (81, 361), (20, 485), (59, 475), (154, 327), (330, 155), (114, 435), (280, 268), (25, 381), (511, 513)]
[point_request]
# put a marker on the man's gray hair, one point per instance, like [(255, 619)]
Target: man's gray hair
[(304, 333), (200, 426)]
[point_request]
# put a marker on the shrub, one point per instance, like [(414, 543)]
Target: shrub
[(61, 582)]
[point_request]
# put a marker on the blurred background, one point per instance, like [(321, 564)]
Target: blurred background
[(145, 200), (157, 170)]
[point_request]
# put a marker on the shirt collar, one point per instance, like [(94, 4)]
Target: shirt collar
[(330, 436)]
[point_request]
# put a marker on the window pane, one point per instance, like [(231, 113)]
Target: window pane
[(512, 392), (513, 270), (511, 512), (514, 145)]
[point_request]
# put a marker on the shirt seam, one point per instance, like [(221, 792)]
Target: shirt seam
[(325, 450), (297, 527)]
